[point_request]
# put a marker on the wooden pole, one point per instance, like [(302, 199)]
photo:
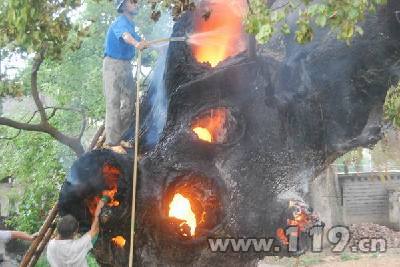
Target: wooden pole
[(42, 232), (42, 245), (96, 137), (134, 180)]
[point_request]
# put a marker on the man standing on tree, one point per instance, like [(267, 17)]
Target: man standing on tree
[(119, 84)]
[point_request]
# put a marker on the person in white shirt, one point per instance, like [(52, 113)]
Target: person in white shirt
[(65, 251)]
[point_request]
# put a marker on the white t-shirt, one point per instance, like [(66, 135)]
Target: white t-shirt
[(70, 252), (5, 236)]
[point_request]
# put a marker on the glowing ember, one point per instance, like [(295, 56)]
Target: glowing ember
[(203, 134), (218, 32), (119, 241), (301, 220), (180, 208), (211, 126)]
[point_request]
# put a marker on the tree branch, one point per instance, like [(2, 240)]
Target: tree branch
[(44, 126), (21, 125), (72, 142), (38, 60), (84, 124), (80, 111), (12, 138)]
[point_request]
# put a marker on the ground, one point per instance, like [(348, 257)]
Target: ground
[(391, 258)]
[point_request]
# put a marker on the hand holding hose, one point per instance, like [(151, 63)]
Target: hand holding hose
[(142, 45)]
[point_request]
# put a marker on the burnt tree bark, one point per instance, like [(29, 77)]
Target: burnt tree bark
[(301, 107), (295, 109)]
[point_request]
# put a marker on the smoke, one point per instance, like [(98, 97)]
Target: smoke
[(157, 117)]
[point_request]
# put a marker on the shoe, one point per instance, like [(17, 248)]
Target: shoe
[(116, 149), (126, 144)]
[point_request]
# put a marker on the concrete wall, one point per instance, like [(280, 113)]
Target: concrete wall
[(365, 197), (325, 197)]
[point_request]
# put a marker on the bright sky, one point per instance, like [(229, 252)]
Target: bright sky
[(11, 65)]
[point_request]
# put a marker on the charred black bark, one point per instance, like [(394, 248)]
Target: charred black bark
[(294, 108), (300, 106)]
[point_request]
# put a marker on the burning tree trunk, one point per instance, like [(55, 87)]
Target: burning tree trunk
[(241, 140)]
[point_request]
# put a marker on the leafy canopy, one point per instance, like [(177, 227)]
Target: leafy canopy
[(341, 16), (31, 25)]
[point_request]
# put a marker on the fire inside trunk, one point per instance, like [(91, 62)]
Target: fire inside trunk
[(94, 175), (111, 175), (216, 125), (192, 207), (218, 31)]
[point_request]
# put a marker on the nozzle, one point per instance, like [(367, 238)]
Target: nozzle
[(178, 39)]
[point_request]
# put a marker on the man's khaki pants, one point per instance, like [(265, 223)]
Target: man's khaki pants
[(119, 91)]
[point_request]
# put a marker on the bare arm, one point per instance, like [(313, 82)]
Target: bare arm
[(21, 235), (94, 229), (128, 38)]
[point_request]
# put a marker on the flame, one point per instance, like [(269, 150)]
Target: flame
[(119, 241), (280, 233), (218, 32), (301, 220), (203, 134), (180, 208), (111, 175), (211, 127)]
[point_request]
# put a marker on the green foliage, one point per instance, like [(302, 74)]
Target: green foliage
[(33, 24), (35, 160), (341, 16), (76, 80), (392, 105)]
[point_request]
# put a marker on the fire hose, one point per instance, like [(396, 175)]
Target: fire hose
[(137, 117), (167, 40)]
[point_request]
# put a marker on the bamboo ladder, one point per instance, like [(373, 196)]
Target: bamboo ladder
[(46, 231)]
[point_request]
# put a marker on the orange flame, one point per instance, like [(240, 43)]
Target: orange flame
[(119, 241), (111, 175), (280, 233), (211, 128), (180, 208), (301, 220), (218, 32)]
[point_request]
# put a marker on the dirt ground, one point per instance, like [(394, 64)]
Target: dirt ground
[(390, 258)]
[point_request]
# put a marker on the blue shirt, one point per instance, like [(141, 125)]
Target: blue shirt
[(115, 46)]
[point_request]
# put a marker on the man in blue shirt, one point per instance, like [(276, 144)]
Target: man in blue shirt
[(119, 84)]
